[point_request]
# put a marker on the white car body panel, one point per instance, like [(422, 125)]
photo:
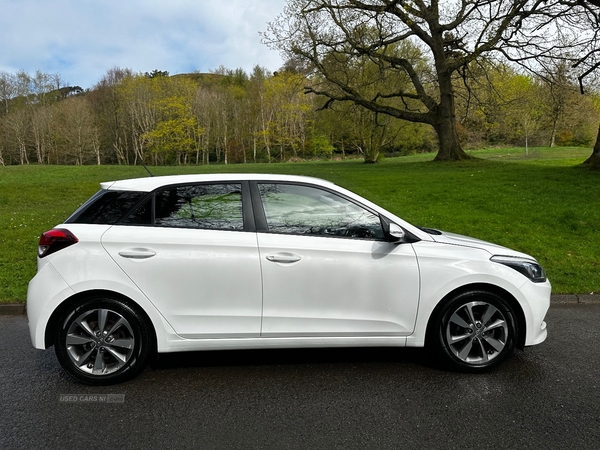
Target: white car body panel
[(84, 267), (148, 184), (445, 268), (338, 287), (181, 345), (47, 284), (467, 241)]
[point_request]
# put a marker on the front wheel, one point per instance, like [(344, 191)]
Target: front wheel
[(102, 341), (475, 331)]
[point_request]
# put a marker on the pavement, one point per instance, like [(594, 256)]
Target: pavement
[(14, 309)]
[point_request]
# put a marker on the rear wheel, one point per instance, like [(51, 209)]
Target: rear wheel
[(475, 331), (102, 341)]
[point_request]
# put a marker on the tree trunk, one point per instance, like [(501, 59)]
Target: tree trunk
[(553, 136), (23, 153), (449, 144), (444, 123), (593, 162), (371, 148)]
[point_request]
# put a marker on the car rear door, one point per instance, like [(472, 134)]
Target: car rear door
[(192, 252)]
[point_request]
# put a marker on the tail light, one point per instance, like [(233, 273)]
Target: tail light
[(54, 240)]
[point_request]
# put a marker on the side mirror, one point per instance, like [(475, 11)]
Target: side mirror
[(395, 233)]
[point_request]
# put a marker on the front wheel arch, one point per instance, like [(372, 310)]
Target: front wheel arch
[(473, 331), (438, 325), (519, 315)]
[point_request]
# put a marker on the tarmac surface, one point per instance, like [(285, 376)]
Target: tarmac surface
[(545, 397)]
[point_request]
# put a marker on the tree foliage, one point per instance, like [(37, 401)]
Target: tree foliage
[(229, 116)]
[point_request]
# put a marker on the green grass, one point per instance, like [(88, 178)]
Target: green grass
[(543, 204)]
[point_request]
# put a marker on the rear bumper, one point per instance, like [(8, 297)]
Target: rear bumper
[(46, 290)]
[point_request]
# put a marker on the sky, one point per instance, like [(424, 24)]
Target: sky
[(82, 39)]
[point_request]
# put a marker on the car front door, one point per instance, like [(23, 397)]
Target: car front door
[(327, 269), (191, 253)]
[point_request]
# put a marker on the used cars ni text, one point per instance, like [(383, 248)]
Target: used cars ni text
[(238, 261)]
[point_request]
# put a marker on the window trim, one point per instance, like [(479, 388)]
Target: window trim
[(148, 196)]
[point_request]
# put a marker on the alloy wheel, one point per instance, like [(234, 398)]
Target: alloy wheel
[(477, 332), (100, 342)]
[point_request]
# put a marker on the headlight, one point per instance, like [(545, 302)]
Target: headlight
[(527, 267)]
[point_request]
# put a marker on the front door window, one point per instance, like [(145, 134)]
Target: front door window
[(309, 211)]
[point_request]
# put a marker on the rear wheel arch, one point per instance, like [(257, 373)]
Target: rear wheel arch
[(54, 321)]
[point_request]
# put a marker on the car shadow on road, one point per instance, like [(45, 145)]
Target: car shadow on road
[(288, 357)]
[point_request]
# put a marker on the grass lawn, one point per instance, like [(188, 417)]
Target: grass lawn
[(542, 204)]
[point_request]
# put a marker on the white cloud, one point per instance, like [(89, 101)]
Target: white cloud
[(82, 39)]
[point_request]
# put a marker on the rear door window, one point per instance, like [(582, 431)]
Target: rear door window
[(206, 206)]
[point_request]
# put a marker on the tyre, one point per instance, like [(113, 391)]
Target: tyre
[(475, 331), (102, 341)]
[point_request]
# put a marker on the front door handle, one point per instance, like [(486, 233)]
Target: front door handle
[(137, 253), (285, 258)]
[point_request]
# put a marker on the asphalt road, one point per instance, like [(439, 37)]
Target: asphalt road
[(547, 397)]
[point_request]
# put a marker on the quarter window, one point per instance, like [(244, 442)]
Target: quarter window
[(208, 206), (106, 207), (305, 210)]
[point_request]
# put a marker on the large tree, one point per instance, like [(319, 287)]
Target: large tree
[(589, 62), (451, 35)]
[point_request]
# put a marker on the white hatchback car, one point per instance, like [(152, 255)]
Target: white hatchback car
[(238, 261)]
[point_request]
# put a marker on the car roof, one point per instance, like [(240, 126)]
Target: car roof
[(148, 184)]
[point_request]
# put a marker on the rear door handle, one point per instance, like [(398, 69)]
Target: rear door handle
[(137, 253), (285, 258)]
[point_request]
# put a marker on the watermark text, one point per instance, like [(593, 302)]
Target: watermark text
[(91, 398)]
